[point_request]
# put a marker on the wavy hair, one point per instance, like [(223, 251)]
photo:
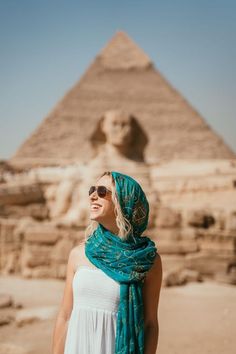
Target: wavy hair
[(122, 222)]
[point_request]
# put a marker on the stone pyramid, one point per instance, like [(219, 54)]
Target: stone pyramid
[(122, 76)]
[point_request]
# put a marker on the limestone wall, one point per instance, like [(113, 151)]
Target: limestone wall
[(43, 214)]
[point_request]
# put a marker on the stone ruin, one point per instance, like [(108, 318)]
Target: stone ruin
[(123, 116)]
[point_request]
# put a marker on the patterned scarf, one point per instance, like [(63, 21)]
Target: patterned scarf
[(126, 261)]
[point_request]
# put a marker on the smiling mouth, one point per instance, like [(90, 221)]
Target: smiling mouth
[(94, 207)]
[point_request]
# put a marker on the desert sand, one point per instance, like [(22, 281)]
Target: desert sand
[(193, 318)]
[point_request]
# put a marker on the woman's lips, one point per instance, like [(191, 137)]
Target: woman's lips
[(95, 207)]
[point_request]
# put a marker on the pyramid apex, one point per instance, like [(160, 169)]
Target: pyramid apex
[(121, 52)]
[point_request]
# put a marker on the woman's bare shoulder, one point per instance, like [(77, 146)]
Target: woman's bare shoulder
[(155, 272), (79, 246), (77, 252), (157, 265)]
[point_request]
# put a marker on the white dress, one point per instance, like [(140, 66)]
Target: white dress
[(92, 324)]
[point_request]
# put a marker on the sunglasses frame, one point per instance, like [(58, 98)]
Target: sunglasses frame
[(100, 194)]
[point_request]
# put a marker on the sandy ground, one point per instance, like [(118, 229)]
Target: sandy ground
[(196, 318)]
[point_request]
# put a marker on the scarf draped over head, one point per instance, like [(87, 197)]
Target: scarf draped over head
[(127, 262)]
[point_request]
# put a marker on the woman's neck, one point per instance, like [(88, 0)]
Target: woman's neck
[(111, 227)]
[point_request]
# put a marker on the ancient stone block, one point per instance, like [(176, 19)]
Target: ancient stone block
[(22, 225), (231, 221), (10, 244), (173, 278), (36, 211), (191, 275), (167, 218), (5, 319), (20, 194), (217, 242), (226, 278), (62, 198), (12, 262), (61, 271), (44, 272), (26, 272), (201, 218), (6, 300), (42, 234), (207, 263), (180, 276), (7, 227), (177, 247), (165, 234), (26, 316), (172, 261), (77, 235), (55, 270), (61, 251), (188, 233), (34, 255)]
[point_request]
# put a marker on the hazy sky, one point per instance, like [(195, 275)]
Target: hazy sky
[(47, 45)]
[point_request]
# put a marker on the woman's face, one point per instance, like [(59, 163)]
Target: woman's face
[(102, 209)]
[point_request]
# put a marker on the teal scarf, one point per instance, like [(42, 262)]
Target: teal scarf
[(126, 262)]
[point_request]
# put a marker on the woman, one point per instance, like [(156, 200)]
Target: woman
[(113, 279)]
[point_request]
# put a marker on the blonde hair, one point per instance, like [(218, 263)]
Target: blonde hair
[(122, 222)]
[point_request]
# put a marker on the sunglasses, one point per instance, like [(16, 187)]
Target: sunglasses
[(102, 191)]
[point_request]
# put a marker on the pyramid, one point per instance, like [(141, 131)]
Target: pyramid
[(122, 76)]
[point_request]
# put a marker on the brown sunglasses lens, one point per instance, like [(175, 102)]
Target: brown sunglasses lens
[(101, 191)]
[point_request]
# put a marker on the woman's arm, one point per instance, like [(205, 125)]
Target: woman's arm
[(151, 292), (63, 316)]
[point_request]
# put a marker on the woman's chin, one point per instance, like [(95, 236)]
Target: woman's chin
[(95, 217)]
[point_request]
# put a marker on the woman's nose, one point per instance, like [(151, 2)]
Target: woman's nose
[(94, 195)]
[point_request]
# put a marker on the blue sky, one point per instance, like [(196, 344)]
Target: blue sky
[(47, 45)]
